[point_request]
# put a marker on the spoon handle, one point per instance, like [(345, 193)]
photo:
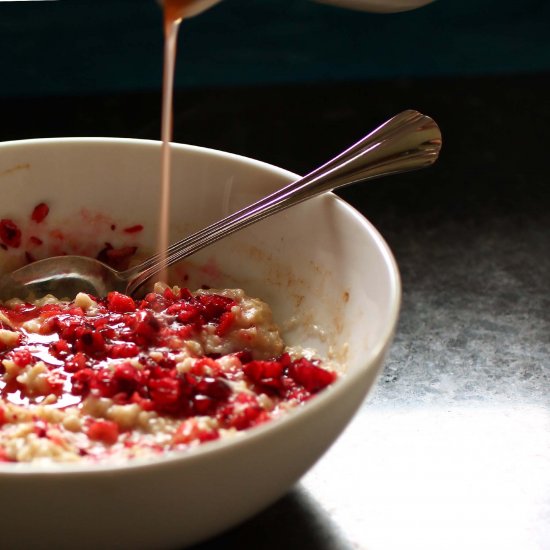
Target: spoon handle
[(408, 141)]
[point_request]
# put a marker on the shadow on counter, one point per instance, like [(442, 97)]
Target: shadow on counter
[(295, 521)]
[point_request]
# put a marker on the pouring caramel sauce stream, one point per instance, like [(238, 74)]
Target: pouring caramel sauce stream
[(174, 12)]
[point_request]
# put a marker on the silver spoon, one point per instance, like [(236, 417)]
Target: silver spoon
[(406, 142)]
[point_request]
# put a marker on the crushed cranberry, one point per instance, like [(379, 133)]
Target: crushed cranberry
[(40, 429), (75, 363), (190, 430), (22, 358), (312, 377), (124, 350), (120, 303), (81, 381), (145, 328), (89, 341), (4, 457), (206, 366), (214, 306), (103, 430), (55, 383), (165, 394), (225, 324), (60, 348), (21, 313), (40, 212), (10, 234), (242, 412), (130, 352)]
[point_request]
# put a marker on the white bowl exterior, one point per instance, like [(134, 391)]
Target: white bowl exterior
[(332, 283)]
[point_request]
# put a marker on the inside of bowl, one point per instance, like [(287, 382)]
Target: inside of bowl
[(328, 275)]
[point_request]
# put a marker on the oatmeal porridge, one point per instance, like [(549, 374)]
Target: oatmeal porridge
[(111, 379)]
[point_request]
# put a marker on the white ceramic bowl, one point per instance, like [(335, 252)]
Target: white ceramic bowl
[(329, 276)]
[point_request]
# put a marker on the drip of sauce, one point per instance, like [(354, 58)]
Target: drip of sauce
[(174, 12)]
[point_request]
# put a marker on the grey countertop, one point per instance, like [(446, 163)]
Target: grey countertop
[(452, 448)]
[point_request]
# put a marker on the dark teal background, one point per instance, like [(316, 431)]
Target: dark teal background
[(98, 46)]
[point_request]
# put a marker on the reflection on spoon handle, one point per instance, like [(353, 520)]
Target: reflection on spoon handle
[(408, 141)]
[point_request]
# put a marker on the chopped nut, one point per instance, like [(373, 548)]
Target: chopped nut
[(124, 415), (12, 370), (5, 321), (35, 378), (8, 338), (84, 301), (72, 423)]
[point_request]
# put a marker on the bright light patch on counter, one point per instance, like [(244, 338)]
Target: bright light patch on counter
[(417, 474)]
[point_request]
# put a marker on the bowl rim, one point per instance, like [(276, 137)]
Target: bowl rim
[(254, 434)]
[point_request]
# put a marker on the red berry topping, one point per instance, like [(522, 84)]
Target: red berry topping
[(225, 324), (120, 303), (146, 328), (124, 350), (165, 393), (310, 376), (189, 431), (242, 413), (76, 362), (104, 431), (21, 313), (4, 457), (22, 358), (60, 348), (136, 353)]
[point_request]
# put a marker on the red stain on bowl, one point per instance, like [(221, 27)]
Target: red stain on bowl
[(57, 234), (10, 234), (211, 270), (133, 229), (40, 212), (35, 241), (84, 233), (117, 258)]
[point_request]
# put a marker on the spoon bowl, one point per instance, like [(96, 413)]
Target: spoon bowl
[(408, 141)]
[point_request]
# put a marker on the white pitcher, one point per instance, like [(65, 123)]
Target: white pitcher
[(380, 6)]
